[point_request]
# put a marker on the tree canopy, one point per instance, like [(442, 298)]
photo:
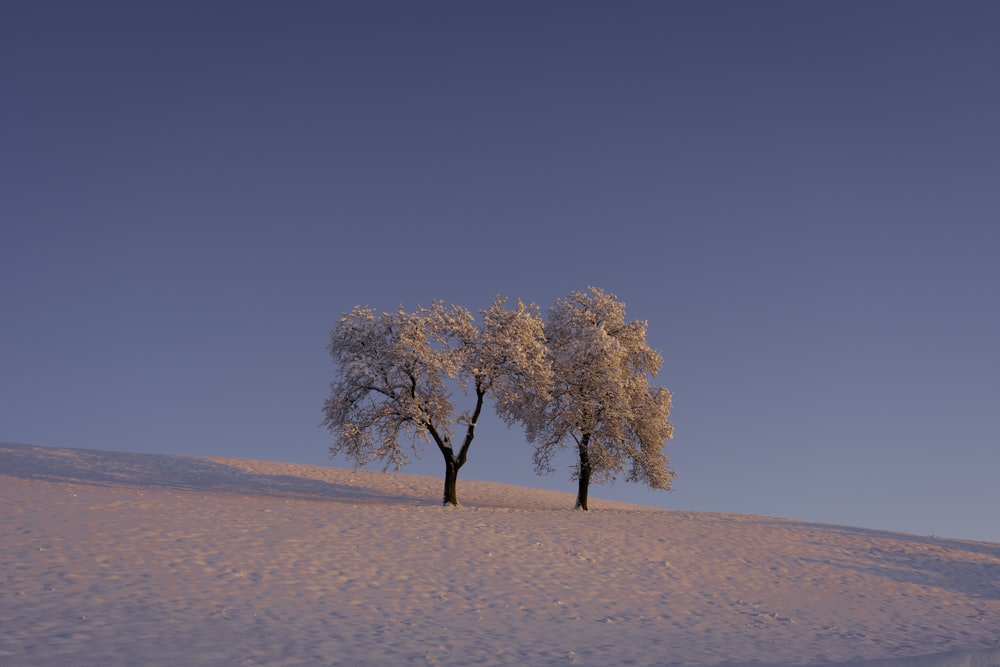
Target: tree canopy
[(396, 374), (602, 401), (580, 379)]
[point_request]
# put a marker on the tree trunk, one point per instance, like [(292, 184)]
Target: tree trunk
[(452, 463), (450, 480), (584, 473)]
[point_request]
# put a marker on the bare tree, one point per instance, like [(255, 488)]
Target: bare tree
[(396, 373), (602, 401)]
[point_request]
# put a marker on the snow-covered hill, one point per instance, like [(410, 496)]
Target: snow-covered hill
[(111, 558)]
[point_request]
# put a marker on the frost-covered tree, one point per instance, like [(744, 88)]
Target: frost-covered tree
[(602, 402), (396, 374)]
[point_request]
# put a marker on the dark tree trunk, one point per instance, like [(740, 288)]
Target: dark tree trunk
[(450, 479), (451, 466), (452, 463), (584, 473)]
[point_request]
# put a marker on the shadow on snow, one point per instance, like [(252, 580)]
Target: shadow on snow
[(175, 473)]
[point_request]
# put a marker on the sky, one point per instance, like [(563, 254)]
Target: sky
[(799, 198)]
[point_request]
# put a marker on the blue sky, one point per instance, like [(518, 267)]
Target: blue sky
[(800, 198)]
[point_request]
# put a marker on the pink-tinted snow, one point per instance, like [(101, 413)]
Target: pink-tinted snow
[(111, 558)]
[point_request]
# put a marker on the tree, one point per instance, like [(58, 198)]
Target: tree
[(602, 401), (396, 372)]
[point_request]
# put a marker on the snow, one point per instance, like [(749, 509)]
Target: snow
[(111, 558)]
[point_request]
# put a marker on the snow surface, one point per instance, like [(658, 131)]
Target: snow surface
[(111, 558)]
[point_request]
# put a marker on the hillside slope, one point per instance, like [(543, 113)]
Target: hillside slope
[(111, 558)]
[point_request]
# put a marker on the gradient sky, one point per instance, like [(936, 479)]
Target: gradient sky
[(801, 198)]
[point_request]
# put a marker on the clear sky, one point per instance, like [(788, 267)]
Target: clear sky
[(801, 198)]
